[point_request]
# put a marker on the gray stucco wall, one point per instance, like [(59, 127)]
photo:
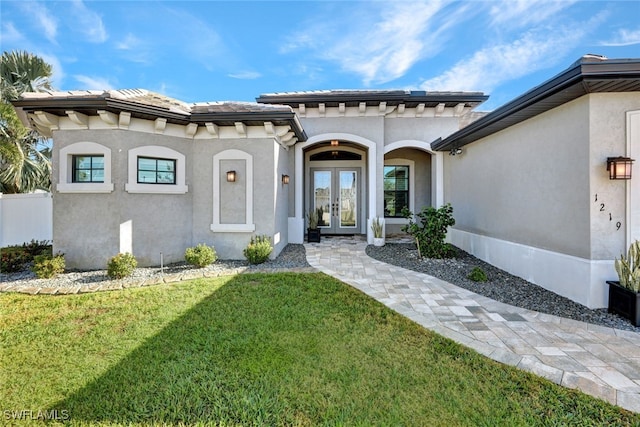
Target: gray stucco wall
[(543, 183), (281, 224), (608, 135), (230, 245), (87, 226), (528, 184)]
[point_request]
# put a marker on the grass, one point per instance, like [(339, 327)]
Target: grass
[(262, 349)]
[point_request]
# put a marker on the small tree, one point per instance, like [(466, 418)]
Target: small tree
[(430, 230)]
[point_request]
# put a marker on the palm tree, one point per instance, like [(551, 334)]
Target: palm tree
[(23, 72), (24, 167)]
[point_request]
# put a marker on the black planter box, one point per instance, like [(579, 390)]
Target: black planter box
[(624, 302), (313, 235)]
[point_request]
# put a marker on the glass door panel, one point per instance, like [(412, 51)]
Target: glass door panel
[(348, 203), (322, 196)]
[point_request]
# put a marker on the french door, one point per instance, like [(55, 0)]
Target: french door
[(335, 196)]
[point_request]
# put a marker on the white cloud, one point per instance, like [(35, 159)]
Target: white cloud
[(43, 19), (494, 65), (385, 40), (88, 22), (623, 37), (245, 75), (129, 42), (93, 83), (520, 13), (198, 40), (135, 50), (57, 72), (9, 34)]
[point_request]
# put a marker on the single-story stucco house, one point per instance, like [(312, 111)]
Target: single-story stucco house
[(134, 171)]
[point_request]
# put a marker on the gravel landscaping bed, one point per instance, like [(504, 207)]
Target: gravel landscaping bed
[(501, 286), (292, 258)]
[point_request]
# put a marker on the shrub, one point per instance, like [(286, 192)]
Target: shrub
[(37, 247), (478, 275), (121, 265), (258, 250), (431, 230), (47, 266), (200, 255), (12, 260)]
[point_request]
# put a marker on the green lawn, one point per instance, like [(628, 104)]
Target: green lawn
[(261, 349)]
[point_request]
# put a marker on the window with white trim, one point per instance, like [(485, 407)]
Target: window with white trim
[(396, 190), (156, 169), (85, 167)]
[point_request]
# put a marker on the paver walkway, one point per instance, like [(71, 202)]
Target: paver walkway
[(600, 361)]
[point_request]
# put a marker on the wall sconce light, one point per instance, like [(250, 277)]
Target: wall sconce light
[(231, 176), (285, 179), (335, 142), (619, 167)]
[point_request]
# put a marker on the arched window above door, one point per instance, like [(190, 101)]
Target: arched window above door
[(335, 155)]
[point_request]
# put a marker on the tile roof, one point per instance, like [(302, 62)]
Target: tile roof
[(411, 98)]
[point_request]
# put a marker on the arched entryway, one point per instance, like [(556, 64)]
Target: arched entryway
[(369, 161), (412, 178)]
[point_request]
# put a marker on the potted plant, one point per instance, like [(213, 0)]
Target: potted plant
[(313, 232), (624, 294), (378, 232)]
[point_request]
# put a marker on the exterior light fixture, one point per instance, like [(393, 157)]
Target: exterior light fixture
[(455, 151), (231, 176), (285, 179), (619, 167), (335, 142)]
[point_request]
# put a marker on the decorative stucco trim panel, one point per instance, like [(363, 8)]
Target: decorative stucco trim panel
[(248, 226)]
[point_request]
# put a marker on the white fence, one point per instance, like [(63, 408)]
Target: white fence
[(24, 217)]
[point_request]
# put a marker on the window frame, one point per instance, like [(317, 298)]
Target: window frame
[(411, 196), (157, 152), (156, 170), (75, 169), (395, 190)]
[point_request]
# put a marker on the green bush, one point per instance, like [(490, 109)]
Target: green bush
[(17, 257), (46, 266), (258, 250), (121, 265), (430, 230), (478, 275), (200, 255), (37, 247), (12, 260)]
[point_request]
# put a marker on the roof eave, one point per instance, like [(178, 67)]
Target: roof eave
[(574, 77)]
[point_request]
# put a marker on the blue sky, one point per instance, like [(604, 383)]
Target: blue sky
[(215, 51)]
